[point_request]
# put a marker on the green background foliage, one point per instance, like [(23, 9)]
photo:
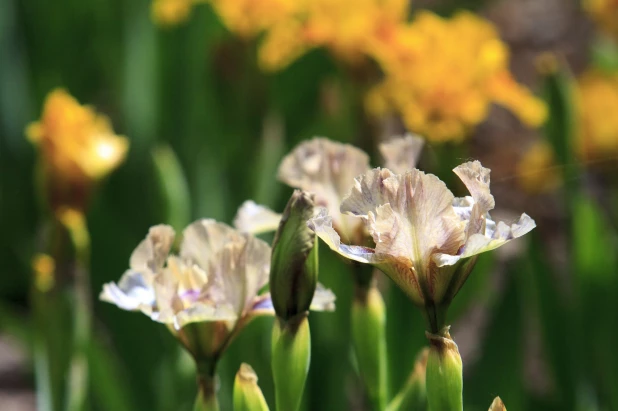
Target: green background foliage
[(207, 131)]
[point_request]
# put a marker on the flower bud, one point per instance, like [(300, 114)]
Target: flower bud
[(444, 373), (413, 396), (294, 263), (369, 340), (247, 393), (291, 355), (497, 405)]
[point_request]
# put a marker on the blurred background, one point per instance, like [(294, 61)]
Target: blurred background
[(208, 119)]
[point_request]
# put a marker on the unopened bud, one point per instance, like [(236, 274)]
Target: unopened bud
[(444, 374), (497, 405), (247, 393), (294, 263), (291, 355)]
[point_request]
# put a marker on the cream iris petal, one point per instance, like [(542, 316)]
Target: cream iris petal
[(422, 233), (135, 288), (217, 277), (326, 169), (256, 219), (322, 224), (401, 154)]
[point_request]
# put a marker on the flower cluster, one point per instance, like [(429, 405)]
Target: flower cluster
[(442, 75), (345, 27)]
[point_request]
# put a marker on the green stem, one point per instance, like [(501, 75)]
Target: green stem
[(435, 317), (369, 342), (206, 399), (77, 387), (50, 353)]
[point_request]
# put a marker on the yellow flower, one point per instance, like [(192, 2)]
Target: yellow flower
[(171, 12), (442, 74), (536, 171), (346, 27), (77, 145), (598, 105), (248, 18), (605, 14)]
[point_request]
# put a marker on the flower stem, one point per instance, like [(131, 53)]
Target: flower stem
[(206, 399), (77, 388)]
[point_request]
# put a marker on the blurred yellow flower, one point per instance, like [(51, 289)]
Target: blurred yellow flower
[(442, 75), (44, 268), (598, 106), (604, 13), (248, 18), (171, 12), (536, 171), (346, 27), (77, 145)]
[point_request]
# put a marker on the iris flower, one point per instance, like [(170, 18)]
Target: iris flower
[(425, 239), (206, 293), (327, 169)]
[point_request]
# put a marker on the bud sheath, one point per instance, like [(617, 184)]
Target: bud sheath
[(497, 405), (247, 393), (291, 355), (444, 374), (369, 340)]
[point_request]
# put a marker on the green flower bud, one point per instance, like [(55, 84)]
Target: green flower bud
[(369, 341), (444, 374), (413, 395), (291, 355), (294, 263), (247, 393), (497, 405)]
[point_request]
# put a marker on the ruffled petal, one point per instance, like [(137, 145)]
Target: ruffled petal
[(237, 264), (401, 153), (326, 169), (322, 224), (409, 215), (253, 218), (132, 292), (476, 179), (479, 243), (151, 253)]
